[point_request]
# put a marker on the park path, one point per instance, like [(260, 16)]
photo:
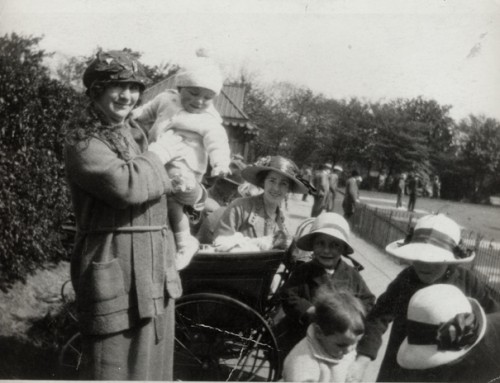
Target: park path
[(380, 268)]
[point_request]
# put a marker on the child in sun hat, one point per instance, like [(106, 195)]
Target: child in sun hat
[(449, 338), (329, 347), (188, 114), (435, 251), (328, 239)]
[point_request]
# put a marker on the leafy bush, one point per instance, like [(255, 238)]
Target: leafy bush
[(33, 201)]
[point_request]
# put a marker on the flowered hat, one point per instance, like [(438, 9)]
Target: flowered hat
[(200, 72), (332, 224), (435, 239), (442, 326), (278, 164), (115, 66)]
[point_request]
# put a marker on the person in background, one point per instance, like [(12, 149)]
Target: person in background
[(413, 183), (333, 180), (256, 222), (329, 347), (307, 175), (189, 113), (328, 239), (436, 187), (433, 247), (322, 185), (400, 190), (450, 338), (351, 195), (123, 263)]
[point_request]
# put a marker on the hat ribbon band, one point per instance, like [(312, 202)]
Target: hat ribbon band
[(433, 237), (457, 333)]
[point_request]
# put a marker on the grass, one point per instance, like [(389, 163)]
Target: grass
[(484, 219), (33, 325)]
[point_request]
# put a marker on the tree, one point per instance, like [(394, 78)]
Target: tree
[(33, 201), (480, 153)]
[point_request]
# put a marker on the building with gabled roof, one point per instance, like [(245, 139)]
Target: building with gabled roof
[(229, 103)]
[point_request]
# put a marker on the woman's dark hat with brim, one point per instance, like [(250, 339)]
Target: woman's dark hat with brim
[(115, 67), (276, 164)]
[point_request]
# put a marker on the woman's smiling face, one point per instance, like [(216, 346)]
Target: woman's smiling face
[(327, 250), (276, 187), (118, 100)]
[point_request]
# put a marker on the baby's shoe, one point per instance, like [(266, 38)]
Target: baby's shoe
[(187, 246)]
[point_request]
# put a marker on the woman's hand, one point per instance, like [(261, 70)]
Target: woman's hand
[(182, 177), (227, 242), (169, 147)]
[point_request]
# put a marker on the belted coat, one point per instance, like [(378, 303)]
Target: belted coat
[(122, 266)]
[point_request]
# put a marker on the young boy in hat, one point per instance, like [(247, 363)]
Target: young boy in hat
[(188, 115), (328, 240), (329, 347), (434, 250), (449, 338)]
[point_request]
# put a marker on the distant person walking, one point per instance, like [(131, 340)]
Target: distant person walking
[(308, 176), (333, 180), (351, 196), (412, 191), (322, 185), (401, 190), (436, 187)]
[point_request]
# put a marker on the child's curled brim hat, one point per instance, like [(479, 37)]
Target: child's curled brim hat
[(442, 326), (435, 239), (331, 224), (277, 164)]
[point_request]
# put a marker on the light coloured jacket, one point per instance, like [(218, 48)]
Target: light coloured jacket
[(247, 216), (202, 133), (308, 362), (122, 266)]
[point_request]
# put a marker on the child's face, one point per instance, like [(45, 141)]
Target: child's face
[(196, 100), (338, 344), (429, 272), (327, 250)]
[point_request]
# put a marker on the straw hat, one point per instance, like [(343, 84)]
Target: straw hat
[(435, 239), (443, 326), (331, 224), (278, 164), (338, 167)]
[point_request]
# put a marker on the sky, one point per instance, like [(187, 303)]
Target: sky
[(375, 50)]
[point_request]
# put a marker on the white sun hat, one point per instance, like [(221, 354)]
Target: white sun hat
[(338, 167), (443, 325), (331, 224), (435, 239)]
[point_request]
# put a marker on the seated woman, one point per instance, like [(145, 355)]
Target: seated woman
[(257, 222)]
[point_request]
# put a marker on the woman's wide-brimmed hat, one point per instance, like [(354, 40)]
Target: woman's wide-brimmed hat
[(442, 326), (331, 224), (435, 239), (278, 164)]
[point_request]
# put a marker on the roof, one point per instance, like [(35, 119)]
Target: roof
[(229, 103)]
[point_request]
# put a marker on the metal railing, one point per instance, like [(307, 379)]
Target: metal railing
[(383, 226)]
